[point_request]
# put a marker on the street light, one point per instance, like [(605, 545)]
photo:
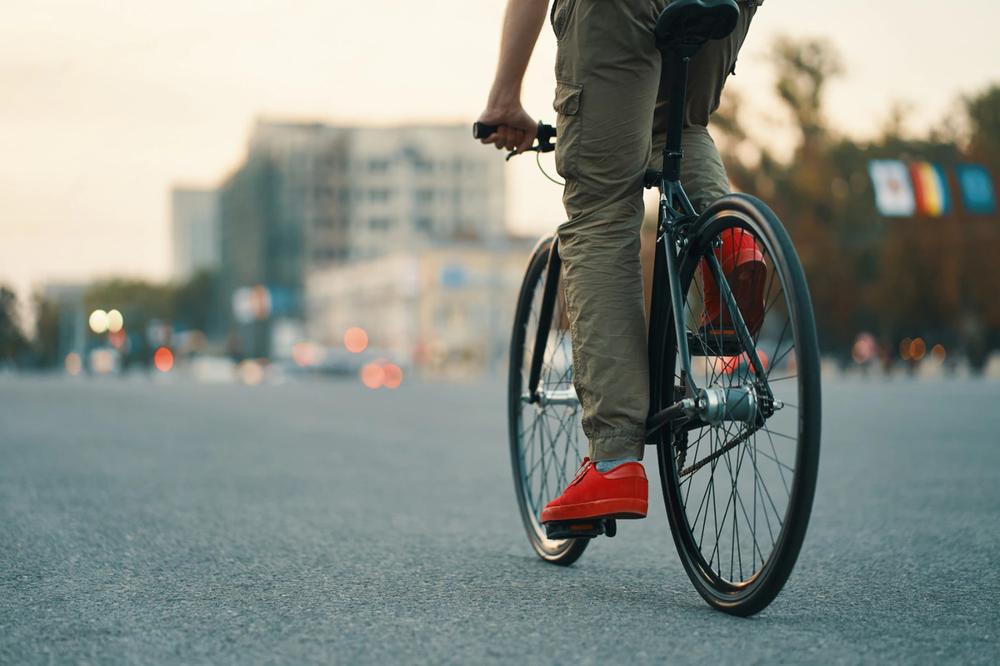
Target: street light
[(99, 321), (115, 321)]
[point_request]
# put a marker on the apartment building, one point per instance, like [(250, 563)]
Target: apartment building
[(311, 196), (194, 230)]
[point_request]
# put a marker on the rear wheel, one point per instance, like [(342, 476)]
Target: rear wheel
[(739, 493), (546, 440)]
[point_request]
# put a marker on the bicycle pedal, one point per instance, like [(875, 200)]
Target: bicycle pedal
[(711, 343), (581, 529)]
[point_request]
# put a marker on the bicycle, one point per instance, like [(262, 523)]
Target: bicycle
[(739, 407)]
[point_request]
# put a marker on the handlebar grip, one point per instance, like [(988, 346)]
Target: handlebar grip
[(482, 130)]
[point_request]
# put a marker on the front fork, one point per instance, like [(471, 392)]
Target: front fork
[(549, 296)]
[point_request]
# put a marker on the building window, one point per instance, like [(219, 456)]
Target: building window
[(425, 196), (378, 196), (423, 224), (379, 224), (325, 254), (378, 165)]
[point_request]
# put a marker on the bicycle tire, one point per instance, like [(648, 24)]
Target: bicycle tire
[(561, 552), (754, 593)]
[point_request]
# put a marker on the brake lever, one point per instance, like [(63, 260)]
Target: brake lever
[(544, 139), (514, 153)]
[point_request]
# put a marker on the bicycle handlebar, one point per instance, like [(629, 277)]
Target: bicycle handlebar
[(482, 130), (544, 138)]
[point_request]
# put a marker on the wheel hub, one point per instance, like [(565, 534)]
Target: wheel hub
[(736, 403)]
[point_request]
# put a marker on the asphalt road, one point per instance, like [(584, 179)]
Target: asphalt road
[(149, 522)]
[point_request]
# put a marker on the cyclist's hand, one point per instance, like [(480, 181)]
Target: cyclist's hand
[(516, 129)]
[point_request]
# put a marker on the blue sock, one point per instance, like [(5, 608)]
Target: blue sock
[(608, 465)]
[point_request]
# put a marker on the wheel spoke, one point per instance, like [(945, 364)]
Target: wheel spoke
[(744, 519), (547, 433)]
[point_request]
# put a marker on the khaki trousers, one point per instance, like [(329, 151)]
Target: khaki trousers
[(612, 118)]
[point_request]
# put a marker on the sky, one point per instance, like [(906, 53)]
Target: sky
[(105, 104)]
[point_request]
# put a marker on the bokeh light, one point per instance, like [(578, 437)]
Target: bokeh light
[(163, 359), (73, 363), (918, 349), (356, 340), (904, 348), (115, 321), (306, 354), (251, 372), (938, 353), (393, 375), (373, 375), (865, 348), (117, 339), (103, 361), (98, 321)]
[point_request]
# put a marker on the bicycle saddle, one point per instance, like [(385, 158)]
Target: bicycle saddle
[(685, 25)]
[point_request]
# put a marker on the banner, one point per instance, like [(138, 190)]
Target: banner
[(978, 195), (893, 190), (930, 188)]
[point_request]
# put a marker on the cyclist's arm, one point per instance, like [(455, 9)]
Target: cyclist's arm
[(523, 21)]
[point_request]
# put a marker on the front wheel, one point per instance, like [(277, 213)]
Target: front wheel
[(739, 493), (546, 438)]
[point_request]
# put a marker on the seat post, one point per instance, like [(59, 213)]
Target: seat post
[(672, 151)]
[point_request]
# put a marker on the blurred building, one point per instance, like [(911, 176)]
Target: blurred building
[(414, 186), (68, 300), (311, 196), (445, 309), (194, 226)]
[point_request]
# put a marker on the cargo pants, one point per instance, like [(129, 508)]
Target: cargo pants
[(611, 123)]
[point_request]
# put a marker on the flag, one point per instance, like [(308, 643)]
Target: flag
[(930, 188), (893, 189), (978, 196)]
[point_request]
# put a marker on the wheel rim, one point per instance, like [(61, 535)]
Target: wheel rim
[(549, 438), (735, 482)]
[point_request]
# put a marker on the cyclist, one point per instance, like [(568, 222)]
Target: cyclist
[(609, 93)]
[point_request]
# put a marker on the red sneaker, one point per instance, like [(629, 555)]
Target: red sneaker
[(745, 270), (619, 493)]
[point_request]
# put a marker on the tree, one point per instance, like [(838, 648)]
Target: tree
[(804, 68), (983, 111), (931, 277), (13, 344), (46, 341), (194, 301), (981, 241), (806, 191), (140, 302)]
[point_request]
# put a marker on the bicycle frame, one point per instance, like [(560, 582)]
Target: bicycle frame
[(675, 215)]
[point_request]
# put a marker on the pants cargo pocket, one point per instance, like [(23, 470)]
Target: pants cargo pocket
[(568, 126), (559, 16)]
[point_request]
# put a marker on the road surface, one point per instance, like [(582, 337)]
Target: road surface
[(169, 522)]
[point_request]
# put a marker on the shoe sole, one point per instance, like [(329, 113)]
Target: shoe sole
[(622, 508)]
